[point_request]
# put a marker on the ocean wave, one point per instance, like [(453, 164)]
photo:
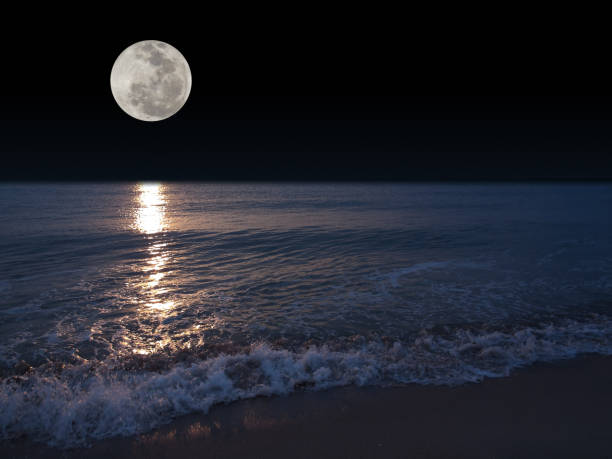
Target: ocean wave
[(68, 405)]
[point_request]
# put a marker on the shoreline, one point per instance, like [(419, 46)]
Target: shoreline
[(558, 409)]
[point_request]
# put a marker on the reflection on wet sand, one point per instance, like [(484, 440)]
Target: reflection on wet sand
[(235, 420)]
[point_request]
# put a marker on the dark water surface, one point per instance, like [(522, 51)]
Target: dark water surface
[(123, 305)]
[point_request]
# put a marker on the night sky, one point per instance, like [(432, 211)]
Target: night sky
[(59, 121)]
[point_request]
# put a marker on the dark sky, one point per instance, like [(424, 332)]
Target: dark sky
[(59, 121)]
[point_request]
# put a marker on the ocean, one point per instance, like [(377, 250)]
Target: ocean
[(124, 305)]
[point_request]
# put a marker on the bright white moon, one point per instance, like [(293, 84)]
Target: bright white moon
[(151, 80)]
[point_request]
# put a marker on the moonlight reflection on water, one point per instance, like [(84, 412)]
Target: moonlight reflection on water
[(150, 219), (151, 208)]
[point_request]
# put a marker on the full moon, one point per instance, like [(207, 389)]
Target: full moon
[(151, 80)]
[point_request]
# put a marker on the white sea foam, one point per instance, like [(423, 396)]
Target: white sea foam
[(88, 400)]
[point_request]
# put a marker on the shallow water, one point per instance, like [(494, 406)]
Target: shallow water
[(122, 305)]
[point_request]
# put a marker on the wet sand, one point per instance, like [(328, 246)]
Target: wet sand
[(562, 409)]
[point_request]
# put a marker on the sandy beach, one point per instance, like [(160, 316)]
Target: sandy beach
[(561, 409)]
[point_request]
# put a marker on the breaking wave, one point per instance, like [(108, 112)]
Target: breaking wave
[(71, 405)]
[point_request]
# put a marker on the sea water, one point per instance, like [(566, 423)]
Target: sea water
[(123, 305)]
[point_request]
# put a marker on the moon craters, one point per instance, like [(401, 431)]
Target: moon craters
[(151, 80)]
